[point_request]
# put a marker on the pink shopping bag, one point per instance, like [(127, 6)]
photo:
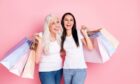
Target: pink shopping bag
[(104, 46)]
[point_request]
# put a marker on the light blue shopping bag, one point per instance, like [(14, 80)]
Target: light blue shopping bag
[(16, 53), (110, 49), (104, 44)]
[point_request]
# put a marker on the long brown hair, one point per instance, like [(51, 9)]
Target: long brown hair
[(74, 31)]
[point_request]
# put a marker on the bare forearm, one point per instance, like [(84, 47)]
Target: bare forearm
[(89, 44)]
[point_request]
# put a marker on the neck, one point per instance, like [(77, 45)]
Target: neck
[(53, 36), (69, 32)]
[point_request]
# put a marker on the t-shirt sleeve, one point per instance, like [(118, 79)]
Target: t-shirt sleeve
[(41, 34)]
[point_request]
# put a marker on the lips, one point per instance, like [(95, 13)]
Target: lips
[(56, 29), (68, 25)]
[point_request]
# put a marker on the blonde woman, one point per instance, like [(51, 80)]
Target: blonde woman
[(48, 51)]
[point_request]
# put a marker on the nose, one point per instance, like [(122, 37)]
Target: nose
[(57, 25), (68, 21)]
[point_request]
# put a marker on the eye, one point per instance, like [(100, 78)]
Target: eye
[(65, 19), (52, 23), (58, 22), (71, 19)]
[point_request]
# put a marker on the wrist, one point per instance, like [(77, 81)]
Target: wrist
[(86, 36)]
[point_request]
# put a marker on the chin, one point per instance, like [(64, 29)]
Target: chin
[(56, 32), (69, 28)]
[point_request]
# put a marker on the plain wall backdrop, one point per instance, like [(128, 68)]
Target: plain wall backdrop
[(20, 18)]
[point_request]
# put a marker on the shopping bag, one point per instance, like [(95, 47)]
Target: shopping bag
[(17, 69), (108, 46), (104, 47), (30, 66), (16, 53), (110, 37)]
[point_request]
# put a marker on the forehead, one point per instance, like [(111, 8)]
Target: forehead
[(53, 19), (68, 17)]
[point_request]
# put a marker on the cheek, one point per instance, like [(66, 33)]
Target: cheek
[(65, 23), (51, 28)]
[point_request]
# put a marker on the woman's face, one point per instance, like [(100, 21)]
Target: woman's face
[(54, 25), (68, 22)]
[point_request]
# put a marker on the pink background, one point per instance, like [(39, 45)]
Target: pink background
[(20, 18)]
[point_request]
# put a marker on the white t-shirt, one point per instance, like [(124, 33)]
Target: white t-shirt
[(53, 60), (74, 55)]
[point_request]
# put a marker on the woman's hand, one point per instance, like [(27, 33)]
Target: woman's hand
[(84, 31), (86, 41), (37, 37)]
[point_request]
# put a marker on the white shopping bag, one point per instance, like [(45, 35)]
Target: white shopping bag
[(19, 66), (104, 47), (30, 66), (16, 53)]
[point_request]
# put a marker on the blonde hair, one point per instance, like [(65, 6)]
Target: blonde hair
[(46, 33)]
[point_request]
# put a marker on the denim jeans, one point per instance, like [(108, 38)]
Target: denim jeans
[(53, 77), (74, 76)]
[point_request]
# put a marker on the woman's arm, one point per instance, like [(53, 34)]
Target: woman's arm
[(86, 40), (38, 53), (38, 50)]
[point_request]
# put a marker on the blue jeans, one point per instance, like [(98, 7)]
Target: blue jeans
[(74, 76), (53, 77)]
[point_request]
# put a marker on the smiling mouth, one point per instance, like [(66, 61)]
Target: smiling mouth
[(56, 29), (68, 25)]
